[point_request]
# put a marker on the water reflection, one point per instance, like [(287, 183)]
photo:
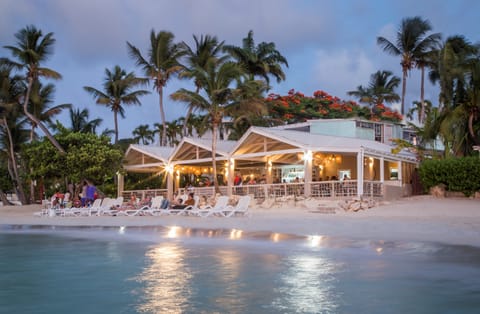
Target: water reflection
[(308, 285), (166, 280)]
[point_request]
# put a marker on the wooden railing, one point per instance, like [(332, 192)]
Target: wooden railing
[(321, 189)]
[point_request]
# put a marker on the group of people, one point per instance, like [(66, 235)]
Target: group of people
[(69, 198), (178, 202)]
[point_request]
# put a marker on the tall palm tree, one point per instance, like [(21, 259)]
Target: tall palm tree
[(262, 60), (221, 98), (31, 51), (161, 63), (79, 120), (143, 134), (12, 133), (206, 48), (456, 70), (412, 42), (41, 98), (380, 89), (118, 86)]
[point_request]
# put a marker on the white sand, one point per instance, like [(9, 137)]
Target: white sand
[(450, 220)]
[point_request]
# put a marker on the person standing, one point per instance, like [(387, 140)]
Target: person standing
[(91, 190)]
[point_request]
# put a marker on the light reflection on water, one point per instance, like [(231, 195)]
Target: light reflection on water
[(308, 285), (182, 270), (165, 280)]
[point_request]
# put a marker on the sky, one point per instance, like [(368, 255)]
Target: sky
[(330, 45)]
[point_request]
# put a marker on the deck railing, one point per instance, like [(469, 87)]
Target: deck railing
[(321, 189)]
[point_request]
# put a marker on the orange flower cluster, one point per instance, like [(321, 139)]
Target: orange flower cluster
[(296, 107)]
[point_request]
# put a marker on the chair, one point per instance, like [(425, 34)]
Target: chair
[(221, 203), (153, 209), (185, 210), (240, 208)]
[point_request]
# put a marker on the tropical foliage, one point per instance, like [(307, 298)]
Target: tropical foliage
[(456, 174), (296, 107), (86, 156)]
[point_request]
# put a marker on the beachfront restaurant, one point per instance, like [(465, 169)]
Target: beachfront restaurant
[(275, 163)]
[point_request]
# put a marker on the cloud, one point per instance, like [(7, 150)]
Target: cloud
[(338, 72)]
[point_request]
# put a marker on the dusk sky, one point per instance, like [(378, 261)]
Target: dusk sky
[(329, 45)]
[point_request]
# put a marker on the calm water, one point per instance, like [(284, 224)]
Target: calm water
[(172, 270)]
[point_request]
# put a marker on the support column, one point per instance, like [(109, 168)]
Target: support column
[(307, 156), (400, 173), (360, 170), (382, 169), (120, 184), (169, 173), (230, 176), (269, 171)]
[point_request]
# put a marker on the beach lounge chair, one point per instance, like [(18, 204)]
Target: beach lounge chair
[(186, 210), (153, 209), (216, 210), (241, 207)]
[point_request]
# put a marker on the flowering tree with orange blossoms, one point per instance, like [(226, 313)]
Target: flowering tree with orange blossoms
[(296, 107)]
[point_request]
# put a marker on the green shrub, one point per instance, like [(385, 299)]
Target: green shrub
[(457, 174)]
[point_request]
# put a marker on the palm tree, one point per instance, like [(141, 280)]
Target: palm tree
[(456, 70), (161, 63), (79, 120), (206, 48), (411, 44), (12, 133), (117, 86), (221, 97), (144, 134), (33, 49), (263, 60), (380, 89), (41, 97), (173, 130)]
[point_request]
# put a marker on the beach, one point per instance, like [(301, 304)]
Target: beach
[(421, 218)]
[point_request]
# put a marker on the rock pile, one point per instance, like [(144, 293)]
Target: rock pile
[(357, 204)]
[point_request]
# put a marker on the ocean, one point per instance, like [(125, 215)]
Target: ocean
[(177, 270)]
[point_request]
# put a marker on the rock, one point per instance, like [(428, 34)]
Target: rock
[(438, 191)]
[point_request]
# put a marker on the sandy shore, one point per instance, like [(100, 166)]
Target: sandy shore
[(450, 220)]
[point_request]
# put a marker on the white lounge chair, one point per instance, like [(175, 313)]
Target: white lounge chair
[(220, 204), (240, 208), (153, 209), (185, 210)]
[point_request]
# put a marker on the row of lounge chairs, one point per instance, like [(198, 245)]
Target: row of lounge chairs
[(113, 207)]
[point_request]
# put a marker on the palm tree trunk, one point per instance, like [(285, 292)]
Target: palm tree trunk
[(214, 153), (115, 121), (421, 115), (404, 89), (163, 141), (34, 119), (470, 127), (18, 183), (3, 198), (187, 116), (185, 122)]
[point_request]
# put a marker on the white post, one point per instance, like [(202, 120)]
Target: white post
[(307, 156), (360, 160), (121, 184), (230, 176), (382, 169)]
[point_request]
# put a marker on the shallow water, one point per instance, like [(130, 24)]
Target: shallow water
[(174, 270)]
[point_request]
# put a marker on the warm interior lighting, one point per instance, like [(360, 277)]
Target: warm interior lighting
[(235, 234), (307, 156), (169, 168)]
